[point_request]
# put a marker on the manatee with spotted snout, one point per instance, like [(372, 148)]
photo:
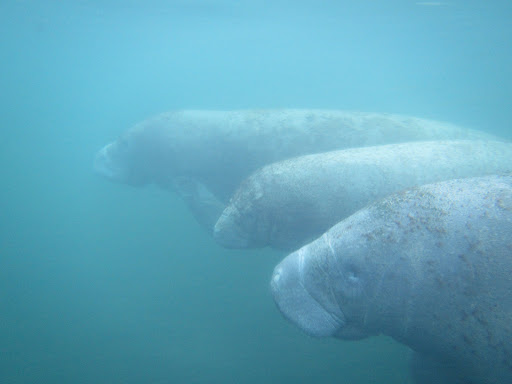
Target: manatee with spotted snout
[(287, 204), (204, 155), (431, 267)]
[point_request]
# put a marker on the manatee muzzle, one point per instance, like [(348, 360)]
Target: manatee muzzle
[(110, 164), (227, 231), (105, 166), (297, 304)]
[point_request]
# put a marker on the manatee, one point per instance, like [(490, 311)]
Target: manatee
[(287, 204), (214, 151), (431, 267)]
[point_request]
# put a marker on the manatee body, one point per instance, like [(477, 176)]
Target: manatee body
[(430, 267), (204, 155), (287, 204)]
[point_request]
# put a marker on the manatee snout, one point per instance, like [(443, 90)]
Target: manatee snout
[(105, 166), (227, 231), (296, 303), (110, 162)]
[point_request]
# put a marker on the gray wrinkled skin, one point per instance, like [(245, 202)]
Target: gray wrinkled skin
[(287, 204), (215, 150), (430, 267)]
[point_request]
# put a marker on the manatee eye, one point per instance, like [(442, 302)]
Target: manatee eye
[(352, 277), (352, 272), (352, 284)]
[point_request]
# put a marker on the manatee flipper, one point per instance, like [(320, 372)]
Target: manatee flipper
[(205, 206), (426, 370)]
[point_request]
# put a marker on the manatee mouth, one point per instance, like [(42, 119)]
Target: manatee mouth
[(297, 304)]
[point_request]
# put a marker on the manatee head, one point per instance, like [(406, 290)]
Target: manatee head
[(136, 158), (114, 163), (343, 284), (278, 205), (319, 298), (243, 224)]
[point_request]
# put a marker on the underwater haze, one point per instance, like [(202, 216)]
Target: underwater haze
[(105, 283)]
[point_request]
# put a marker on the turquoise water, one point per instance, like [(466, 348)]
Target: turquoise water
[(104, 283)]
